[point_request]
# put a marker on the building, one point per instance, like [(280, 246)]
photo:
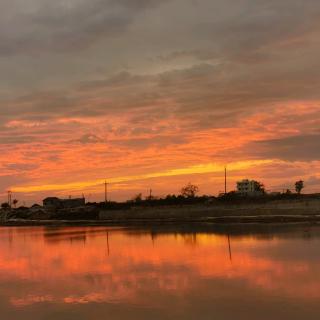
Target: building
[(56, 203), (52, 202), (249, 188)]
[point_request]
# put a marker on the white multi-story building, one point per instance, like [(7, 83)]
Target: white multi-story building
[(249, 187)]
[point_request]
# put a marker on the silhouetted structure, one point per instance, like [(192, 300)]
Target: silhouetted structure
[(250, 188), (56, 203)]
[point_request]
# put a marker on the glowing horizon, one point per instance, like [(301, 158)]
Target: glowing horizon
[(198, 169)]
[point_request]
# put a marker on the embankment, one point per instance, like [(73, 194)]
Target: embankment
[(293, 210), (290, 211)]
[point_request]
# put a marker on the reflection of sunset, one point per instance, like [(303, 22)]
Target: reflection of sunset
[(101, 265)]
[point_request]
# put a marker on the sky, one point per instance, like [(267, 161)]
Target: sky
[(156, 94)]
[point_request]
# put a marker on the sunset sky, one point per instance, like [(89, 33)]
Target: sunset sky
[(156, 94)]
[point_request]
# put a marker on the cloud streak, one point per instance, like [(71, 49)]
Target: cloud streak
[(198, 169)]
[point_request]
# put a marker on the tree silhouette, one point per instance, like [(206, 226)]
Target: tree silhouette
[(5, 205), (15, 202), (137, 198), (189, 191), (259, 186), (299, 185)]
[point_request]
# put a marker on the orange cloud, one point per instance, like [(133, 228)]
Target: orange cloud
[(197, 169)]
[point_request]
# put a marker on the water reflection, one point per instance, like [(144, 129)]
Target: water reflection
[(77, 273)]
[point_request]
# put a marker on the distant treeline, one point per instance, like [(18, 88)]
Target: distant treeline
[(177, 200)]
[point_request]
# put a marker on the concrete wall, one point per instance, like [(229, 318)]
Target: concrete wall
[(310, 207)]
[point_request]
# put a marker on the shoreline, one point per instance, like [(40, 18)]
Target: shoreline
[(221, 220), (300, 211)]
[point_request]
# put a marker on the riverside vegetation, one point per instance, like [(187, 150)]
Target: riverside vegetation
[(224, 209)]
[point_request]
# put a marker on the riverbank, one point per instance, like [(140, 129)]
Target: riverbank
[(270, 219), (271, 212)]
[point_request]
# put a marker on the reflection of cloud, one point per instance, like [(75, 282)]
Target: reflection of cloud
[(30, 300), (169, 265), (92, 297)]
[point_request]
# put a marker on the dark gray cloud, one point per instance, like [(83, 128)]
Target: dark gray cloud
[(207, 95), (294, 148), (208, 63), (48, 43), (60, 25), (20, 139), (254, 28), (155, 141)]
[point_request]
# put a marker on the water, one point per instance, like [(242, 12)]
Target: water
[(111, 273)]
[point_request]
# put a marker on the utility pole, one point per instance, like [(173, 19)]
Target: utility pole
[(10, 198), (225, 180), (106, 192)]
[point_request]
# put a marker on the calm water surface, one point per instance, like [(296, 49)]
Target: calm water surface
[(112, 273)]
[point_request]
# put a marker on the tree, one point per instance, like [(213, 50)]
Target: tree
[(299, 185), (5, 205), (137, 198), (15, 202), (259, 187), (189, 191)]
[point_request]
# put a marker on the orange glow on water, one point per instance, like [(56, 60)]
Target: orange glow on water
[(170, 263)]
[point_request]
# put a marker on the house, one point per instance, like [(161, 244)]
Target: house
[(56, 203), (250, 188), (73, 203), (52, 202)]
